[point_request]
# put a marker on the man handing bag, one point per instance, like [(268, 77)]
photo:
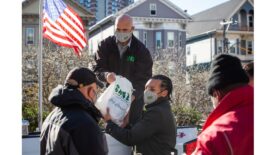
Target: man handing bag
[(117, 97)]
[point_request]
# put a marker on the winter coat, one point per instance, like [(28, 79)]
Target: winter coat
[(135, 64), (229, 128), (154, 134), (71, 128)]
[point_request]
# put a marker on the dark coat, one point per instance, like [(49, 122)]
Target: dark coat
[(71, 128), (154, 134), (136, 63)]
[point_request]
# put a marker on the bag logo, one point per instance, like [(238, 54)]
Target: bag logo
[(121, 93)]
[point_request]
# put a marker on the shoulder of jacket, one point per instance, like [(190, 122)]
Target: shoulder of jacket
[(107, 40)]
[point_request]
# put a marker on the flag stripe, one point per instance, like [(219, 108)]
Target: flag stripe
[(69, 33), (59, 38), (72, 23), (52, 27), (64, 27), (72, 30), (56, 40), (74, 15)]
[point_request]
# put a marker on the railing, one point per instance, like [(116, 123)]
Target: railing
[(246, 28)]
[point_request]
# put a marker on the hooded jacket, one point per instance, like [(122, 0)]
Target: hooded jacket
[(229, 128), (71, 128)]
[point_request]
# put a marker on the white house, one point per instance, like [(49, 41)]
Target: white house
[(205, 34)]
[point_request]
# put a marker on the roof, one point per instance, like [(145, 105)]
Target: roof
[(71, 3), (136, 4), (209, 20), (166, 2)]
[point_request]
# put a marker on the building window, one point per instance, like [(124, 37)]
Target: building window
[(219, 46), (232, 46), (180, 40), (136, 34), (30, 36), (194, 59), (170, 39), (145, 38), (243, 47), (158, 40), (243, 20), (188, 50), (250, 47), (251, 19), (153, 9)]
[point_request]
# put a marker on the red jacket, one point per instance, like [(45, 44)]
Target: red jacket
[(229, 128)]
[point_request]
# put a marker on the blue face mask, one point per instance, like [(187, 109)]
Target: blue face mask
[(123, 36)]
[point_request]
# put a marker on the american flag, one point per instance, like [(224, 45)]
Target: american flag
[(63, 26)]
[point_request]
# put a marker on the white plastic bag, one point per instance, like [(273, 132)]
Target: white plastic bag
[(117, 97)]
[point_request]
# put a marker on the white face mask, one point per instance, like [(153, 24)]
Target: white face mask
[(123, 36), (149, 97)]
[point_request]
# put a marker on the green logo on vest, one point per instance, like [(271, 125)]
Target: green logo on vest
[(131, 58)]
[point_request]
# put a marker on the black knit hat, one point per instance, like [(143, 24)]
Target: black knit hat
[(225, 70), (81, 76)]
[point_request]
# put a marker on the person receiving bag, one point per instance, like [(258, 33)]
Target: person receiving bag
[(155, 132)]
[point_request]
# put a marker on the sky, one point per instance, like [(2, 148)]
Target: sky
[(195, 6)]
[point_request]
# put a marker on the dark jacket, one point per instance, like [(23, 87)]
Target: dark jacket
[(229, 128), (154, 134), (71, 128), (136, 63)]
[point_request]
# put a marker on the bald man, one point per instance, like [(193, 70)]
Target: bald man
[(123, 54)]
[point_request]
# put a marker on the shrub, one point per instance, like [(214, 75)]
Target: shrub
[(186, 116)]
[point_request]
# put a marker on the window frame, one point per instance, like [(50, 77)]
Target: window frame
[(145, 38), (160, 43), (188, 50), (247, 46), (168, 45), (232, 46), (26, 36), (180, 40), (153, 7)]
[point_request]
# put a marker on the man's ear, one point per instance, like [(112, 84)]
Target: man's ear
[(164, 93), (217, 94)]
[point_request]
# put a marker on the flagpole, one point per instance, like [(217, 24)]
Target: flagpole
[(39, 58)]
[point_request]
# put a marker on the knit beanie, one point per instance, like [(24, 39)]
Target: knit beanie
[(225, 70)]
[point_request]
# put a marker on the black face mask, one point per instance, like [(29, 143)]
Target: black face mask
[(89, 90)]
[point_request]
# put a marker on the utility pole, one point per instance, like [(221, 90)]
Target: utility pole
[(226, 25)]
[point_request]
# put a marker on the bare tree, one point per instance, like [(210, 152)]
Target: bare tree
[(189, 97), (189, 83), (57, 62)]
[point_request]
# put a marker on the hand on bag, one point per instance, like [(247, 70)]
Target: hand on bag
[(125, 120), (110, 77), (107, 116), (133, 98)]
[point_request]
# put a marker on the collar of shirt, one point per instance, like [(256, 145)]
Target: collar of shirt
[(129, 43), (122, 49)]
